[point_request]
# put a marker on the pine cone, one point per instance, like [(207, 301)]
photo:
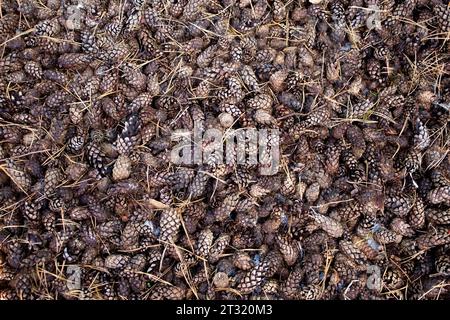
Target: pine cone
[(385, 236), (352, 252), (53, 178), (360, 109), (433, 238), (310, 292), (23, 286), (18, 175), (443, 264), (398, 204), (288, 248), (393, 279), (226, 207), (130, 236), (421, 137), (198, 185), (329, 225), (417, 214), (401, 227), (440, 195), (166, 292), (122, 168), (242, 261), (443, 16), (267, 268), (204, 243), (438, 216), (116, 261), (169, 223), (97, 159), (291, 287)]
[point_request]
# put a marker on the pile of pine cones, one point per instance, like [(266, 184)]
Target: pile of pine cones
[(91, 206)]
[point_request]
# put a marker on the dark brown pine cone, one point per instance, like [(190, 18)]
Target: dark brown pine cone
[(226, 207), (386, 236), (243, 261), (440, 195), (417, 214), (166, 292), (352, 252), (204, 243), (116, 261), (290, 288), (22, 283), (329, 225), (97, 159), (398, 204), (289, 249), (433, 238), (169, 223), (267, 268), (438, 216)]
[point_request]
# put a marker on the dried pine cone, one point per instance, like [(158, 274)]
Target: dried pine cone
[(169, 224), (329, 225), (122, 168), (267, 268)]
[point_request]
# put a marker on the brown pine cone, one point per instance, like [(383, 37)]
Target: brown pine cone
[(398, 204), (333, 154), (393, 279), (166, 292), (130, 236), (201, 276), (22, 283), (267, 268), (198, 185), (169, 223), (116, 261), (329, 225), (97, 159), (153, 259), (74, 61), (421, 137), (226, 207), (79, 214), (399, 226), (122, 168), (417, 214), (385, 236), (261, 102), (288, 248), (440, 195), (309, 292), (360, 109), (53, 178), (249, 78), (434, 237), (290, 288), (204, 243), (437, 216), (34, 69), (443, 16), (242, 261), (352, 252), (443, 264), (18, 175), (218, 247)]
